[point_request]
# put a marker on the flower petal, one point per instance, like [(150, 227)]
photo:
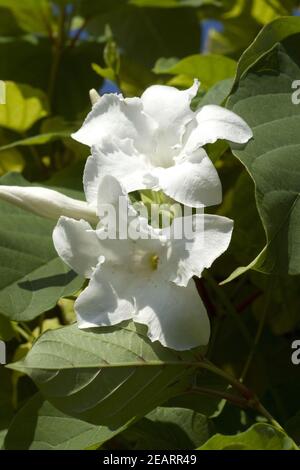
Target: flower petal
[(170, 109), (116, 116), (215, 122), (193, 181), (168, 106), (118, 159), (175, 316), (107, 299), (47, 202), (77, 245), (190, 255)]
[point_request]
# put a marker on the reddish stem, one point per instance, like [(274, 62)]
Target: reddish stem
[(248, 301)]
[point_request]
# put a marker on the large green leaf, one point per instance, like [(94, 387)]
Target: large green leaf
[(32, 276), (24, 106), (171, 428), (272, 156), (209, 69), (274, 32), (258, 437), (40, 426), (107, 375)]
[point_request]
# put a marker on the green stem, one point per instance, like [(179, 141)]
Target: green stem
[(264, 412), (244, 391), (250, 399), (26, 328), (234, 399), (23, 333)]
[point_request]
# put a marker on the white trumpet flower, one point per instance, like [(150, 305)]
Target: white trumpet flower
[(156, 142), (147, 280)]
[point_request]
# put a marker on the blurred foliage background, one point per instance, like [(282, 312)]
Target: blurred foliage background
[(51, 54)]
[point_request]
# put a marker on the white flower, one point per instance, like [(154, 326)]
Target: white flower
[(156, 142), (149, 281)]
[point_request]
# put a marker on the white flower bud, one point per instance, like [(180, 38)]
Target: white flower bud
[(47, 203)]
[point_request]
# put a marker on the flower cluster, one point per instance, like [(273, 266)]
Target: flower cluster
[(155, 142)]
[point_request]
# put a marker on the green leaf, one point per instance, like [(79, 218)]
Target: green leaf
[(106, 376), (24, 16), (10, 160), (40, 426), (171, 428), (239, 28), (274, 32), (24, 106), (2, 437), (217, 94), (209, 69), (242, 21), (32, 276), (40, 139), (106, 72), (248, 236), (272, 156), (174, 3), (202, 403), (258, 437), (265, 11)]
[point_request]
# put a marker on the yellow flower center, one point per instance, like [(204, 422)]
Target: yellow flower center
[(154, 260)]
